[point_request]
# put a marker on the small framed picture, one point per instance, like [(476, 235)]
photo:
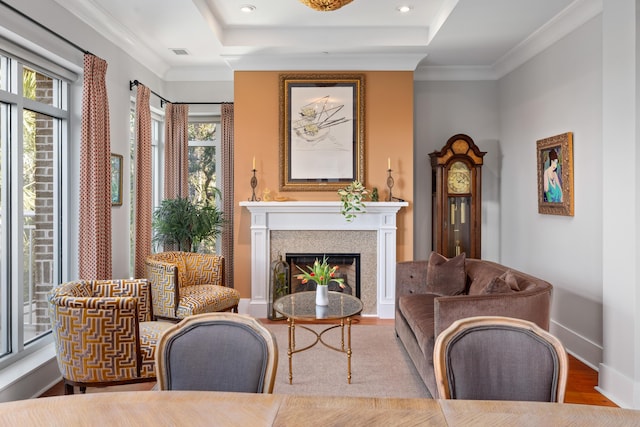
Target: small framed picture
[(555, 175), (116, 180)]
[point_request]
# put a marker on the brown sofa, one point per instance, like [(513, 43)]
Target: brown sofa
[(422, 312)]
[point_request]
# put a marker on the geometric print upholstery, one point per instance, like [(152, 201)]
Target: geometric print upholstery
[(186, 283), (103, 333), (205, 299), (127, 288), (150, 333)]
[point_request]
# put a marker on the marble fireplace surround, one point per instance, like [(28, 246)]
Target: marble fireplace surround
[(315, 227)]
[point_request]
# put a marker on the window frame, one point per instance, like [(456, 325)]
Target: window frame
[(15, 346)]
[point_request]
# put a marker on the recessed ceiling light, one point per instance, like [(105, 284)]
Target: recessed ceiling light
[(404, 9), (247, 8)]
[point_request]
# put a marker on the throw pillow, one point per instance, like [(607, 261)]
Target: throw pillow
[(446, 276), (496, 286), (511, 280)]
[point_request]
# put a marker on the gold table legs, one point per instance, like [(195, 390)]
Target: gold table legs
[(342, 349)]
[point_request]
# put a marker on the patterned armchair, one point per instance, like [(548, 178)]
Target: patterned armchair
[(186, 283), (103, 332)]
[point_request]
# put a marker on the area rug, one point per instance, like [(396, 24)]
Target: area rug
[(379, 364)]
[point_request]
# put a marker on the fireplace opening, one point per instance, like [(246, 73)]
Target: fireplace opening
[(348, 269)]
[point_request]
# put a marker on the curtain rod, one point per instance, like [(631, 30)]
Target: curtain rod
[(163, 99), (203, 103), (33, 21), (136, 83)]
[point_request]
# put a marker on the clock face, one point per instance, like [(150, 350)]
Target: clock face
[(459, 178)]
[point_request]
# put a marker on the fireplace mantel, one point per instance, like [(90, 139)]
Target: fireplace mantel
[(315, 215)]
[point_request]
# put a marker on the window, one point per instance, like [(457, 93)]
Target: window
[(204, 166), (33, 131), (204, 161)]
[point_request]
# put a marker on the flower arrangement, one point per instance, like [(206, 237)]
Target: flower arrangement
[(321, 273), (352, 197)]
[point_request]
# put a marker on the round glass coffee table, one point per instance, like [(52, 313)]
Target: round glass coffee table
[(302, 306)]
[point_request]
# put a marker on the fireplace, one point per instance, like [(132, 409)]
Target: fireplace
[(318, 227), (348, 270)]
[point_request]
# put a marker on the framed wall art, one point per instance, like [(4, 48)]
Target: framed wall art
[(321, 131), (555, 175), (116, 180)]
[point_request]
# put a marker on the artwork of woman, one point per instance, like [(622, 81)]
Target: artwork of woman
[(552, 183)]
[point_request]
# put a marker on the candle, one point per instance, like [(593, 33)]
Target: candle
[(254, 163), (462, 208), (389, 163)]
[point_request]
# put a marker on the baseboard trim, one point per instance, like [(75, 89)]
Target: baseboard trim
[(580, 347)]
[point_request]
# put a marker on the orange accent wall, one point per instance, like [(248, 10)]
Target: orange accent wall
[(388, 134)]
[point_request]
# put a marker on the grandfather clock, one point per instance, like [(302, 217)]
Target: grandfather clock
[(456, 197)]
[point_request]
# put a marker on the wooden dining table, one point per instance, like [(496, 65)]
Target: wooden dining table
[(204, 408)]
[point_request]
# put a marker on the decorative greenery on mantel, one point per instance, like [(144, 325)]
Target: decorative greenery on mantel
[(352, 198)]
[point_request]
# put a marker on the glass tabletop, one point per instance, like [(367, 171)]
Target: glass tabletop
[(302, 305)]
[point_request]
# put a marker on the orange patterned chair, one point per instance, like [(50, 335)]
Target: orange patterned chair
[(104, 333), (186, 283)]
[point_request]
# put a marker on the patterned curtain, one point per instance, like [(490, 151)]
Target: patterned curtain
[(227, 190), (94, 244), (176, 146), (144, 185)]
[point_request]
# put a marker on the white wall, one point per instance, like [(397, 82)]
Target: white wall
[(620, 368), (443, 109), (558, 91)]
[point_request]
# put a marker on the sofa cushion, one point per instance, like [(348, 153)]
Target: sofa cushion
[(418, 310), (206, 299), (446, 276)]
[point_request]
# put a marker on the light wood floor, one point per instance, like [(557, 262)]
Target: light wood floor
[(580, 385)]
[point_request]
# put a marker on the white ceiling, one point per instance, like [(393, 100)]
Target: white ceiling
[(440, 39)]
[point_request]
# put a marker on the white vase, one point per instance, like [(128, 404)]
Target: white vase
[(321, 311), (322, 295)]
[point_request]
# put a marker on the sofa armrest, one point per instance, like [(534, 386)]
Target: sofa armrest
[(528, 305), (96, 339), (411, 278), (163, 279)]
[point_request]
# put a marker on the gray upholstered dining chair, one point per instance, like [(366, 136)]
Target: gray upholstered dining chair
[(217, 352), (499, 358)]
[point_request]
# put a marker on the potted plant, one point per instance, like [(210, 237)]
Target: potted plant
[(186, 224), (352, 197)]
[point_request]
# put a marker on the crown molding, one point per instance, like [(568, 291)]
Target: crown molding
[(108, 27), (572, 17), (328, 62)]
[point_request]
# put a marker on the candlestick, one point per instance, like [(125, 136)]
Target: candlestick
[(390, 183), (254, 184)]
